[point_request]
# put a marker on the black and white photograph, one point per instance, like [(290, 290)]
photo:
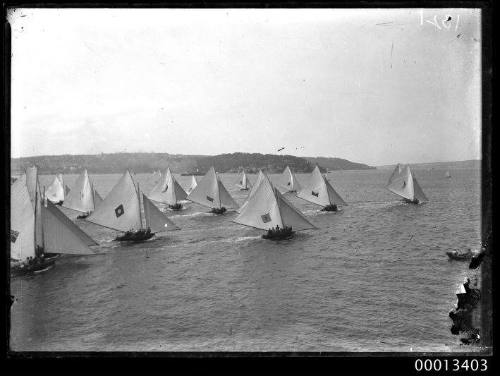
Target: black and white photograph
[(248, 180)]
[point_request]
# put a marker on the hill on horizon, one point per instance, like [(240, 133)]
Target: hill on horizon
[(178, 163)]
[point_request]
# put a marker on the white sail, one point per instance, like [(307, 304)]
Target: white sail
[(291, 182), (401, 182), (155, 219), (120, 210), (260, 177), (261, 209), (319, 191), (55, 191), (244, 182), (211, 192), (33, 186), (194, 183), (447, 174), (61, 235), (168, 190), (290, 215), (267, 208), (81, 196), (97, 198), (418, 192), (22, 221)]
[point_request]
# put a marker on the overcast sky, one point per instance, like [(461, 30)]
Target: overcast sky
[(372, 86)]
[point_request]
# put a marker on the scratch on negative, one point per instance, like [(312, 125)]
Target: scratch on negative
[(392, 48)]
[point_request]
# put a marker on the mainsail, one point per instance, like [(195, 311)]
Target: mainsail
[(155, 219), (291, 182), (447, 174), (267, 208), (168, 190), (120, 210), (55, 192), (320, 191), (211, 192), (260, 177), (22, 221), (404, 184), (194, 183), (62, 235), (81, 196), (244, 182)]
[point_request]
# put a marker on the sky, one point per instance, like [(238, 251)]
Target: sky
[(375, 86)]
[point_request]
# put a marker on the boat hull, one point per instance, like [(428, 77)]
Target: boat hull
[(454, 255), (26, 269), (218, 210), (280, 234), (330, 208), (135, 236)]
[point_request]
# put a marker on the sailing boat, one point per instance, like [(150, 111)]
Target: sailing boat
[(320, 191), (194, 183), (55, 191), (244, 184), (447, 174), (168, 191), (121, 210), (403, 183), (83, 197), (37, 229), (291, 182), (210, 192), (268, 209), (260, 177)]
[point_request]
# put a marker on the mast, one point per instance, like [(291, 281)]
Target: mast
[(139, 198)]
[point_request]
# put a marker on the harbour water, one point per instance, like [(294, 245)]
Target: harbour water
[(372, 277)]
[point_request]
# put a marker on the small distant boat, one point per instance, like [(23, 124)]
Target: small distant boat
[(55, 192), (168, 191), (39, 231), (403, 183), (244, 184), (193, 185), (121, 211), (268, 209), (83, 197), (319, 191), (291, 182), (447, 175), (210, 192), (462, 256), (194, 173)]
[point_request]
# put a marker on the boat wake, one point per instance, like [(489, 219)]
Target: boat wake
[(195, 214), (43, 270), (245, 238)]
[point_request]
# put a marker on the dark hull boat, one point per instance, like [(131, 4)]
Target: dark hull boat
[(330, 208), (218, 210), (83, 216), (175, 207), (460, 256), (415, 201), (35, 266), (135, 236), (279, 234)]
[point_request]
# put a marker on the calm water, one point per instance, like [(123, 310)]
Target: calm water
[(373, 277)]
